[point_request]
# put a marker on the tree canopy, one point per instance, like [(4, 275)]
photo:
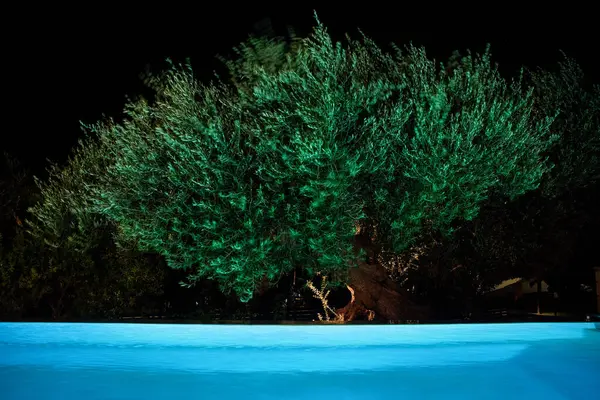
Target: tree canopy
[(242, 180)]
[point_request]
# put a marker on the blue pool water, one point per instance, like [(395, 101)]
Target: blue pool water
[(135, 361)]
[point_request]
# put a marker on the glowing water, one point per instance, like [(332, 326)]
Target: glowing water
[(134, 361)]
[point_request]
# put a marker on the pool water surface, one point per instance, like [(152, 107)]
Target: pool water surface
[(161, 361)]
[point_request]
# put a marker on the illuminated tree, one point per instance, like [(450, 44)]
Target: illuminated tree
[(241, 183)]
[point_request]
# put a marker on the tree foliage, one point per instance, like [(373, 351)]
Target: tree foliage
[(577, 126), (243, 182), (565, 205), (546, 233), (64, 259), (17, 192)]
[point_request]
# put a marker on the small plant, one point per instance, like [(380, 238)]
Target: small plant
[(322, 294)]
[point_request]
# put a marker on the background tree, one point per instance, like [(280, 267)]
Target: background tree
[(68, 260), (548, 222), (555, 222), (17, 192)]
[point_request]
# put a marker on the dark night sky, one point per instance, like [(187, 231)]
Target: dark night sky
[(67, 65)]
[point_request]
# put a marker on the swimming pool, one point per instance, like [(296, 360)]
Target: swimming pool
[(165, 361)]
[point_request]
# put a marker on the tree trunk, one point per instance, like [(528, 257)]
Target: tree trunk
[(376, 296)]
